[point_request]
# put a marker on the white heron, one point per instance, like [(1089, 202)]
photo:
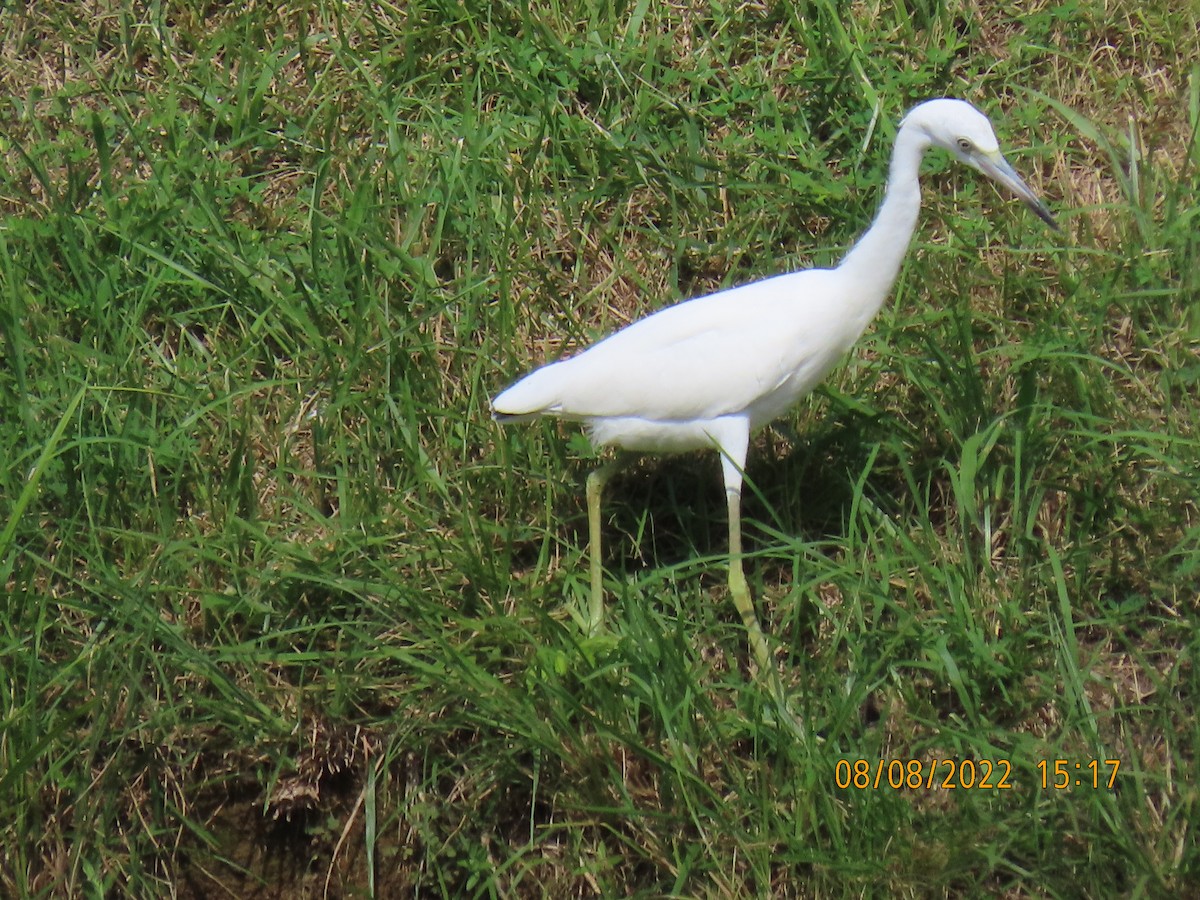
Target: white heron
[(708, 372)]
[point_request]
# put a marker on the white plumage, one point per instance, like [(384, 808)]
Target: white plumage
[(694, 361), (708, 372)]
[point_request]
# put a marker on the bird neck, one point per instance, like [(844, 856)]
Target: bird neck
[(874, 261)]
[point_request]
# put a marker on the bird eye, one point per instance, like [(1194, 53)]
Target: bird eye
[(964, 145)]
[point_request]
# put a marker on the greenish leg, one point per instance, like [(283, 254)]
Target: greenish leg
[(732, 440), (733, 443), (595, 489), (740, 591)]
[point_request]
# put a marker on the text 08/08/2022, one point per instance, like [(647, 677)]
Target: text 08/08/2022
[(970, 774)]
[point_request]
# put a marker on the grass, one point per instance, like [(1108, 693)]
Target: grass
[(285, 614)]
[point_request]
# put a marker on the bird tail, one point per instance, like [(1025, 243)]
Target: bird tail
[(537, 394)]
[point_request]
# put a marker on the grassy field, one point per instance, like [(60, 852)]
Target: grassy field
[(285, 613)]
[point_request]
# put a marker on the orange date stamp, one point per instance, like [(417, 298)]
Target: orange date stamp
[(930, 774), (971, 774)]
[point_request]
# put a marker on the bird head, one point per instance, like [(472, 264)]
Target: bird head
[(961, 129)]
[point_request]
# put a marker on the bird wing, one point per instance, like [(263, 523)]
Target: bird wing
[(716, 355)]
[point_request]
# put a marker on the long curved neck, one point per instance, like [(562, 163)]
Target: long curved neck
[(874, 261)]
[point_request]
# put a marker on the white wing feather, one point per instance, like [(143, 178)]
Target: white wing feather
[(716, 355)]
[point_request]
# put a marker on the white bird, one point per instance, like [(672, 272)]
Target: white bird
[(708, 372)]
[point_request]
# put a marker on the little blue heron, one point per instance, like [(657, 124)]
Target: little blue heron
[(708, 372)]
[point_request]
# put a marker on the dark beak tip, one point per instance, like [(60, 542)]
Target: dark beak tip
[(1045, 215)]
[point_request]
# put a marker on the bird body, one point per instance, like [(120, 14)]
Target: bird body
[(706, 373), (749, 351)]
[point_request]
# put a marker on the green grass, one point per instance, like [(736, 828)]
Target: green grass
[(286, 614)]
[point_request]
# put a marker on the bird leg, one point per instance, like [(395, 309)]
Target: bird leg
[(596, 481), (733, 442), (739, 590)]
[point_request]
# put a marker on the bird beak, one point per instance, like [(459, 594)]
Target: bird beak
[(997, 168)]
